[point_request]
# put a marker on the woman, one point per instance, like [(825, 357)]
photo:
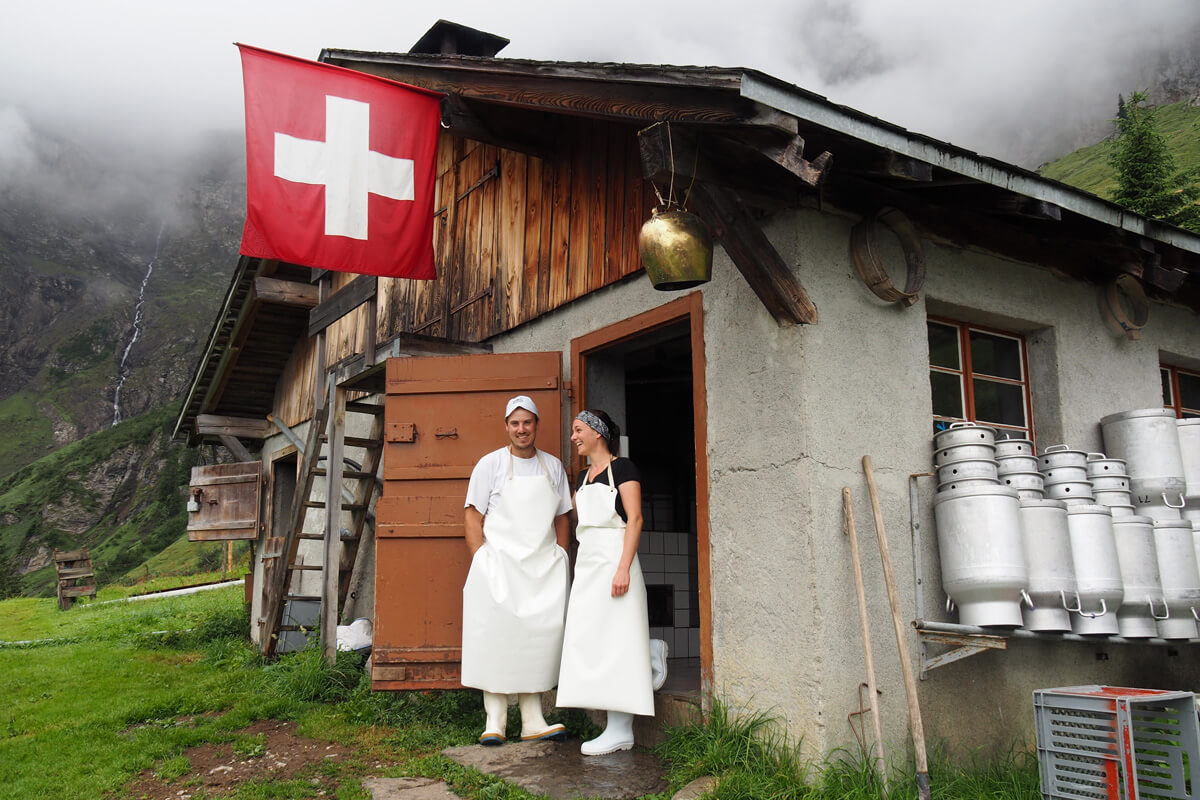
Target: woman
[(606, 646)]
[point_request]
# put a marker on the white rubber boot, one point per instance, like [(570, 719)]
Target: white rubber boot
[(618, 735), (496, 706), (533, 724), (658, 663)]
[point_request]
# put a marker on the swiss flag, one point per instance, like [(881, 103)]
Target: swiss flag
[(339, 167)]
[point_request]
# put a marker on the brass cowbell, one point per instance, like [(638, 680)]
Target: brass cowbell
[(676, 250)]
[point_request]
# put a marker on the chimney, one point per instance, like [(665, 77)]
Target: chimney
[(451, 39)]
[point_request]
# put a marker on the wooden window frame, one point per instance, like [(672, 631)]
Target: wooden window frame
[(1176, 403), (690, 309), (967, 373)]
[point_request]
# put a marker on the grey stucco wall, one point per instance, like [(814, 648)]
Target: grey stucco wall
[(791, 412)]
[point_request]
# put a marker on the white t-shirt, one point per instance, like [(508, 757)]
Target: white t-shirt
[(487, 479)]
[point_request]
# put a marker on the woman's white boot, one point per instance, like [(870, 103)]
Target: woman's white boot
[(533, 724), (496, 707), (618, 735)]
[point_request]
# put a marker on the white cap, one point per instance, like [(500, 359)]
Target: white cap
[(520, 401)]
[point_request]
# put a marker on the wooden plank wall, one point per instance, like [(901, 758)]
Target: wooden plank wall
[(514, 237)]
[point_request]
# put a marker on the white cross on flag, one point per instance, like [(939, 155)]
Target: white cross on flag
[(339, 167)]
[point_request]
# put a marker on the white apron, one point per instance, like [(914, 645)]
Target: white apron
[(606, 647), (515, 597)]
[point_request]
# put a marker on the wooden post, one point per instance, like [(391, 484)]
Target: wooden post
[(910, 683), (333, 522)]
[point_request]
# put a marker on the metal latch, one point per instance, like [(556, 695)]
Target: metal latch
[(404, 432)]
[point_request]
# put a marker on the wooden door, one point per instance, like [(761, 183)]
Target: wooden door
[(442, 415)]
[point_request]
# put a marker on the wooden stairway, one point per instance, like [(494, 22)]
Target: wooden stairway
[(341, 543), (76, 577)]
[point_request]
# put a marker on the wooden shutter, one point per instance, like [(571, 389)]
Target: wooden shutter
[(229, 501)]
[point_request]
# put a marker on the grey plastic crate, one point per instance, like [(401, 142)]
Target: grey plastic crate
[(1117, 743)]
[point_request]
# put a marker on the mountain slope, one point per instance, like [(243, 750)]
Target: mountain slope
[(79, 231), (1088, 167)]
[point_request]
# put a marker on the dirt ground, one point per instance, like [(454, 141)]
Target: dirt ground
[(217, 769)]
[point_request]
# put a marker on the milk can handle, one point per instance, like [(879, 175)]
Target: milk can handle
[(1096, 457), (1054, 447), (1103, 610), (1028, 600), (1166, 609), (949, 604), (954, 425), (1194, 614), (1182, 501), (1078, 609)]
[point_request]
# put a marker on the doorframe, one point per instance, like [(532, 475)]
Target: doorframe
[(689, 308)]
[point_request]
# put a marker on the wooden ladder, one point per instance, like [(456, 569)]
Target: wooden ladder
[(341, 544)]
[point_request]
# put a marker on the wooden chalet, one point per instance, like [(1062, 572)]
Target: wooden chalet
[(848, 248)]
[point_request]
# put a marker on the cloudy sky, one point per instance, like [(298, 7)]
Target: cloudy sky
[(1015, 79)]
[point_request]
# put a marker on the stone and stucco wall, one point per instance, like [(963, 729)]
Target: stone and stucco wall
[(791, 412)]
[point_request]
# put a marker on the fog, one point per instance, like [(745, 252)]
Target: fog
[(1023, 81)]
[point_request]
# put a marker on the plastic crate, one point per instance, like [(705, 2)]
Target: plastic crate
[(1117, 743)]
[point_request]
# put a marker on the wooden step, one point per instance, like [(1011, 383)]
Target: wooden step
[(345, 506), (356, 441), (346, 473), (75, 572), (356, 407), (320, 537)]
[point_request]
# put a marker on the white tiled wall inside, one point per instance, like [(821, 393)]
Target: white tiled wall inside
[(664, 556)]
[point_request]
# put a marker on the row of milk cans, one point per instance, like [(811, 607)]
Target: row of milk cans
[(1097, 544)]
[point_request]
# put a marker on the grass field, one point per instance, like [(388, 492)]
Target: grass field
[(125, 696)]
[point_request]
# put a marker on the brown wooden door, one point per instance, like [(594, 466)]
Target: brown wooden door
[(442, 415)]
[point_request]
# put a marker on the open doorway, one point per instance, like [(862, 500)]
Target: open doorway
[(647, 374)]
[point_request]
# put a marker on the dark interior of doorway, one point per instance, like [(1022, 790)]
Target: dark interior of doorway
[(645, 383)]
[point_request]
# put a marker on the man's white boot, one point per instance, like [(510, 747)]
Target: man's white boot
[(533, 724), (658, 663), (618, 735), (496, 707)]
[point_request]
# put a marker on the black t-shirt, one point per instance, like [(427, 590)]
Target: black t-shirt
[(623, 470)]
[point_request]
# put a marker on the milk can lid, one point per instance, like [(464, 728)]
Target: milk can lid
[(1137, 413)]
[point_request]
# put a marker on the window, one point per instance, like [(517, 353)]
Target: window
[(1181, 390), (980, 375)]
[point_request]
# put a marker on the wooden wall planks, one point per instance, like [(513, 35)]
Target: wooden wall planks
[(538, 233)]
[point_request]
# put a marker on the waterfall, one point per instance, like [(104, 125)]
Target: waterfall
[(122, 371)]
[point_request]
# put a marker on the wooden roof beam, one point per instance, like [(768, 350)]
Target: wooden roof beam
[(286, 293), (244, 427), (567, 93)]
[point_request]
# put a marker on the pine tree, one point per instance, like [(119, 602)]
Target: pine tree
[(1148, 181)]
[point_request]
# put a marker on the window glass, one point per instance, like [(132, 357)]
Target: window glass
[(1168, 396), (1001, 403), (943, 346), (947, 394), (995, 355), (1189, 393)]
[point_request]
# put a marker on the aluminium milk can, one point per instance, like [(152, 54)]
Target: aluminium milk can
[(1174, 542), (1097, 569), (1100, 465), (960, 433), (1015, 447), (1143, 602), (1029, 485), (983, 563), (1047, 546), (1148, 441), (1189, 451)]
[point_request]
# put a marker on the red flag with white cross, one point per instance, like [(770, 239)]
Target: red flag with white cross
[(339, 167)]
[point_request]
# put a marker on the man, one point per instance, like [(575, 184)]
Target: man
[(515, 597)]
